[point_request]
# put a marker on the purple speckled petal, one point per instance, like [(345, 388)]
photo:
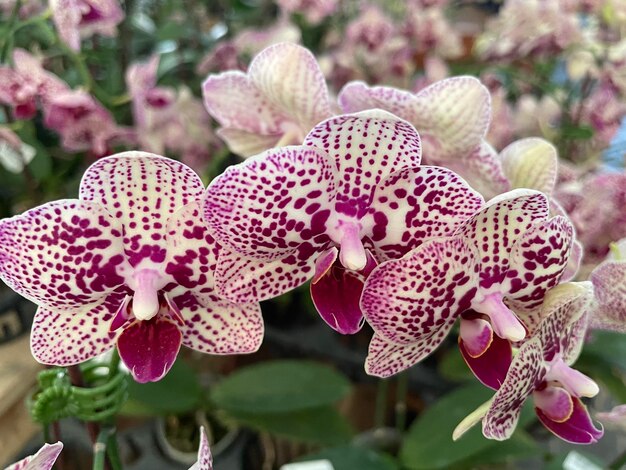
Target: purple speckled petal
[(242, 279), (419, 297), (44, 459), (246, 143), (357, 96), (324, 262), (525, 373), (205, 459), (191, 252), (366, 147), (217, 326), (573, 262), (609, 282), (236, 103), (62, 255), (274, 204), (290, 78), (64, 338), (578, 429), (491, 366), (495, 229), (530, 163), (142, 191), (336, 296), (536, 264), (415, 204), (149, 348), (386, 358), (482, 169)]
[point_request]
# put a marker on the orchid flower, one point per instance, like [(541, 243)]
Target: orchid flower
[(276, 103), (315, 11), (205, 459), (80, 19), (26, 82), (44, 459), (501, 259), (616, 418), (542, 369), (452, 117), (128, 263), (83, 123), (352, 196), (609, 282), (14, 154)]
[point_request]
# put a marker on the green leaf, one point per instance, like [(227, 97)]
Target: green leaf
[(609, 346), (323, 425), (280, 386), (453, 367), (178, 392), (577, 132), (520, 446), (429, 444), (351, 458)]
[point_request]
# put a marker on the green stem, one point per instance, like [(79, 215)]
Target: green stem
[(100, 449), (401, 392), (113, 452), (381, 403)]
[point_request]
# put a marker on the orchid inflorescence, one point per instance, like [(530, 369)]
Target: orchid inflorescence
[(146, 259)]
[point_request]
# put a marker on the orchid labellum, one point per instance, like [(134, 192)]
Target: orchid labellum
[(129, 263), (352, 196)]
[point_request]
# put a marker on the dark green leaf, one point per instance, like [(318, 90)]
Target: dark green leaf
[(520, 446), (178, 392), (280, 386), (322, 425), (453, 367), (351, 458)]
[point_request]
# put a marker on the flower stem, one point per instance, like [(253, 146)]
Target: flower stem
[(381, 403), (402, 387), (100, 448)]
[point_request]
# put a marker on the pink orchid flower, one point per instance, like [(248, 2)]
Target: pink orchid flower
[(128, 263), (44, 459), (452, 117), (315, 11), (616, 418), (22, 85), (276, 103), (205, 459), (80, 19), (83, 123), (500, 260), (609, 282), (542, 369), (352, 196)]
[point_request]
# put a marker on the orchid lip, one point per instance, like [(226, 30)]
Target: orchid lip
[(352, 253), (555, 402), (504, 322), (477, 335), (146, 299), (575, 382)]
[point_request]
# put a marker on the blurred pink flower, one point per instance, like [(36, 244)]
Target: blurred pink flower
[(79, 19), (28, 8), (22, 85), (429, 31), (83, 123), (315, 11), (14, 154)]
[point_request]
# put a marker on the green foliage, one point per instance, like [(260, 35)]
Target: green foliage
[(178, 392), (351, 458), (429, 445)]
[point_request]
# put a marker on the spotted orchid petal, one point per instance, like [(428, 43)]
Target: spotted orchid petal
[(421, 294), (149, 348), (336, 294), (414, 204), (452, 115), (284, 88), (483, 170), (205, 459), (366, 147), (530, 163), (578, 428), (486, 354), (537, 262), (141, 190), (66, 338), (44, 459), (62, 255), (273, 205), (523, 377), (289, 76), (609, 282), (243, 279), (573, 264)]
